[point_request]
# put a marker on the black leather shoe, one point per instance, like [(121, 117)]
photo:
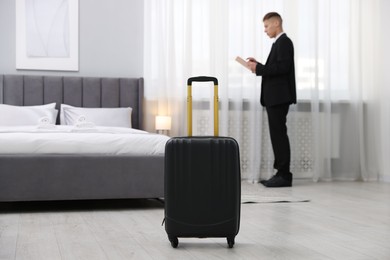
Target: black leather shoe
[(265, 181), (278, 181)]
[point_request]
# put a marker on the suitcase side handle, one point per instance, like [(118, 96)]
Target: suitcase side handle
[(202, 79)]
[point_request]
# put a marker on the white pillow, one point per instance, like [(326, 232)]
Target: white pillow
[(118, 116), (27, 115)]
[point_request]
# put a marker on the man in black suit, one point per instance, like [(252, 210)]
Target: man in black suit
[(277, 94)]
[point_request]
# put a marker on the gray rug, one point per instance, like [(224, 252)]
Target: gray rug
[(257, 193)]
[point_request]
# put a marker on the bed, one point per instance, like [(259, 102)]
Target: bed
[(52, 175)]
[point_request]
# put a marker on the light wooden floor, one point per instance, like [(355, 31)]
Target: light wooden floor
[(343, 220)]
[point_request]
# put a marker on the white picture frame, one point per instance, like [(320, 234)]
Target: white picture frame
[(47, 35)]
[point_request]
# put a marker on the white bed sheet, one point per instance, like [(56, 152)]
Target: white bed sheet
[(61, 139)]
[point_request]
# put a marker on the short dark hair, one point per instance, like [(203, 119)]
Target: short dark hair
[(272, 15)]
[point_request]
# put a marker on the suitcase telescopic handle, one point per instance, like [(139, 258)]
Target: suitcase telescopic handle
[(202, 79), (189, 102)]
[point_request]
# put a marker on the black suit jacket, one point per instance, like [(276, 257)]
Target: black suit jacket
[(278, 74)]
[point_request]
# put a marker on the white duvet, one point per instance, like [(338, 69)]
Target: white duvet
[(62, 139)]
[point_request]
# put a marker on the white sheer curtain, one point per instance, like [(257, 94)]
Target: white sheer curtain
[(335, 72), (384, 94)]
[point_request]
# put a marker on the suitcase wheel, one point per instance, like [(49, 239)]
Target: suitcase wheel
[(174, 241), (230, 241)]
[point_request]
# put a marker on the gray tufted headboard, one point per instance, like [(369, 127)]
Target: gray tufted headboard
[(23, 90)]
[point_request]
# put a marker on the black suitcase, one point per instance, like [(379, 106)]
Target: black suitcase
[(202, 183)]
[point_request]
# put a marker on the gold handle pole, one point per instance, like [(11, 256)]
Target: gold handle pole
[(189, 110), (216, 121)]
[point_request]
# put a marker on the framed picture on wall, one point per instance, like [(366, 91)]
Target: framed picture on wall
[(47, 35)]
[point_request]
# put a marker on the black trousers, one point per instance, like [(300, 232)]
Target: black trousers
[(277, 118)]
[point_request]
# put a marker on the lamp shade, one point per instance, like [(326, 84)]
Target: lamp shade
[(163, 123)]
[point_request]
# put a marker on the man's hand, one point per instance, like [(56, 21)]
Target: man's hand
[(252, 63), (251, 59)]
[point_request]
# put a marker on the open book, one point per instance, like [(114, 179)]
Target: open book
[(242, 62)]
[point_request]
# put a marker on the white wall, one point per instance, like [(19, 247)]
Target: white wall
[(110, 39)]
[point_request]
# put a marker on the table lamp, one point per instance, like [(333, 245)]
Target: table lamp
[(163, 124)]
